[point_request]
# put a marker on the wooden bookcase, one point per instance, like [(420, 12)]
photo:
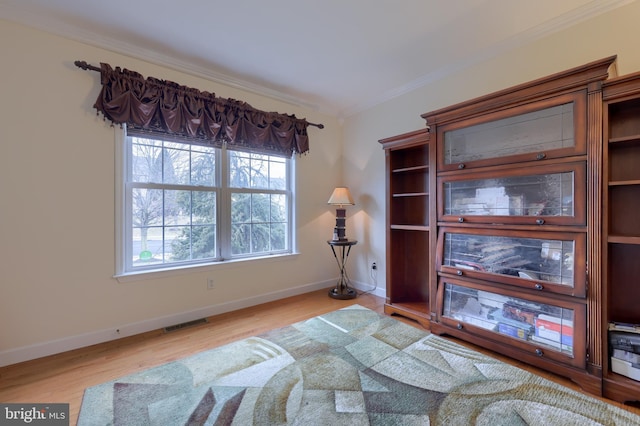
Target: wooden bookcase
[(621, 222), (520, 210), (408, 160)]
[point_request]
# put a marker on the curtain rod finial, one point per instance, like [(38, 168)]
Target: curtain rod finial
[(85, 66)]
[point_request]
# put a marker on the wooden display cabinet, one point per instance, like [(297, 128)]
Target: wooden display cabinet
[(621, 222), (538, 327), (518, 210), (515, 222), (408, 188), (540, 261)]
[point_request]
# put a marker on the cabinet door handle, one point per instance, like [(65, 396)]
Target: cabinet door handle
[(539, 221), (461, 166), (459, 272), (541, 156), (539, 286), (461, 219), (459, 326), (539, 352)]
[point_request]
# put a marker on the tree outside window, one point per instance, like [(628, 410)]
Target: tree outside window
[(174, 212)]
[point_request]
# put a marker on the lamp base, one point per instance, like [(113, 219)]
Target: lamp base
[(347, 293)]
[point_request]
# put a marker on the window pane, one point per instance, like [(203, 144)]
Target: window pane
[(239, 170), (203, 166), (179, 243), (240, 208), (146, 207), (240, 238), (260, 208), (177, 207), (260, 238), (176, 165), (259, 223), (146, 246), (259, 172), (203, 207), (278, 236), (189, 243), (247, 170), (278, 173), (146, 160), (278, 208), (203, 242), (172, 236)]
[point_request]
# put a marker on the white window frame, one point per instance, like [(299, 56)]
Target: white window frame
[(223, 258)]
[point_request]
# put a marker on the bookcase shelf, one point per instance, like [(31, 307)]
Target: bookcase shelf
[(411, 194), (408, 231), (458, 204), (621, 236), (410, 227), (630, 140), (516, 223), (624, 182), (423, 167), (619, 239)]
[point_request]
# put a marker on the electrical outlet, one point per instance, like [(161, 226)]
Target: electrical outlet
[(210, 285), (374, 266)]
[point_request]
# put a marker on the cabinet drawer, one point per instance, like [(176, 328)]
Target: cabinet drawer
[(544, 261), (550, 329), (542, 130), (549, 195)]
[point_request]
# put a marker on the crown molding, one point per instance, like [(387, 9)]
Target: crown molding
[(58, 28), (50, 25), (559, 23)]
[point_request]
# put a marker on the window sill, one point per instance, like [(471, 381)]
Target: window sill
[(191, 269)]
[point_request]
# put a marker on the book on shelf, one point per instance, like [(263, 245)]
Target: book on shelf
[(553, 343), (624, 326)]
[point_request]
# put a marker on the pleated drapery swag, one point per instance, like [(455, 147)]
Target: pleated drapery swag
[(181, 113)]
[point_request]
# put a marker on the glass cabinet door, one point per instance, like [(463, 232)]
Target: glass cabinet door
[(544, 130), (551, 195), (543, 261), (544, 329)]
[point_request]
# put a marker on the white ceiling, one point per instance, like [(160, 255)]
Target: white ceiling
[(335, 56)]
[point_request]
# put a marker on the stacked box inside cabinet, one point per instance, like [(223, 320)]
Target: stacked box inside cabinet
[(625, 353), (554, 331)]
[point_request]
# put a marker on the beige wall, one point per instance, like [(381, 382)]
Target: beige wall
[(57, 209), (614, 33), (57, 186)]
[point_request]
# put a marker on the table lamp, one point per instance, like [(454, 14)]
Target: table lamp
[(340, 197)]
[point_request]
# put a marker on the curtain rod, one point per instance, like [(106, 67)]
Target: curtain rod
[(85, 66)]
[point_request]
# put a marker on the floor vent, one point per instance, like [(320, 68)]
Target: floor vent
[(185, 324)]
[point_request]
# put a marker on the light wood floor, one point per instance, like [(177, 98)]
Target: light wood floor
[(63, 378)]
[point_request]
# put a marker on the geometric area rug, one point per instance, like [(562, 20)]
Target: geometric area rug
[(348, 367)]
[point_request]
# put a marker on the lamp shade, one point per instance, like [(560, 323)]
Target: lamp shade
[(341, 197)]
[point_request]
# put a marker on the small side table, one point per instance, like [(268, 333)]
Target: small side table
[(342, 289)]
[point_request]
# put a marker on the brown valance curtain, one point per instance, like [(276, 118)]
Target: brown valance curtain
[(182, 113)]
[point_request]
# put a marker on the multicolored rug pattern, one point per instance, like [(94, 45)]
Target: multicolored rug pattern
[(348, 367)]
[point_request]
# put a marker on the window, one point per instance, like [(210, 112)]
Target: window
[(188, 204)]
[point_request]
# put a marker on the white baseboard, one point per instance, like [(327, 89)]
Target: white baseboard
[(368, 288), (26, 353)]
